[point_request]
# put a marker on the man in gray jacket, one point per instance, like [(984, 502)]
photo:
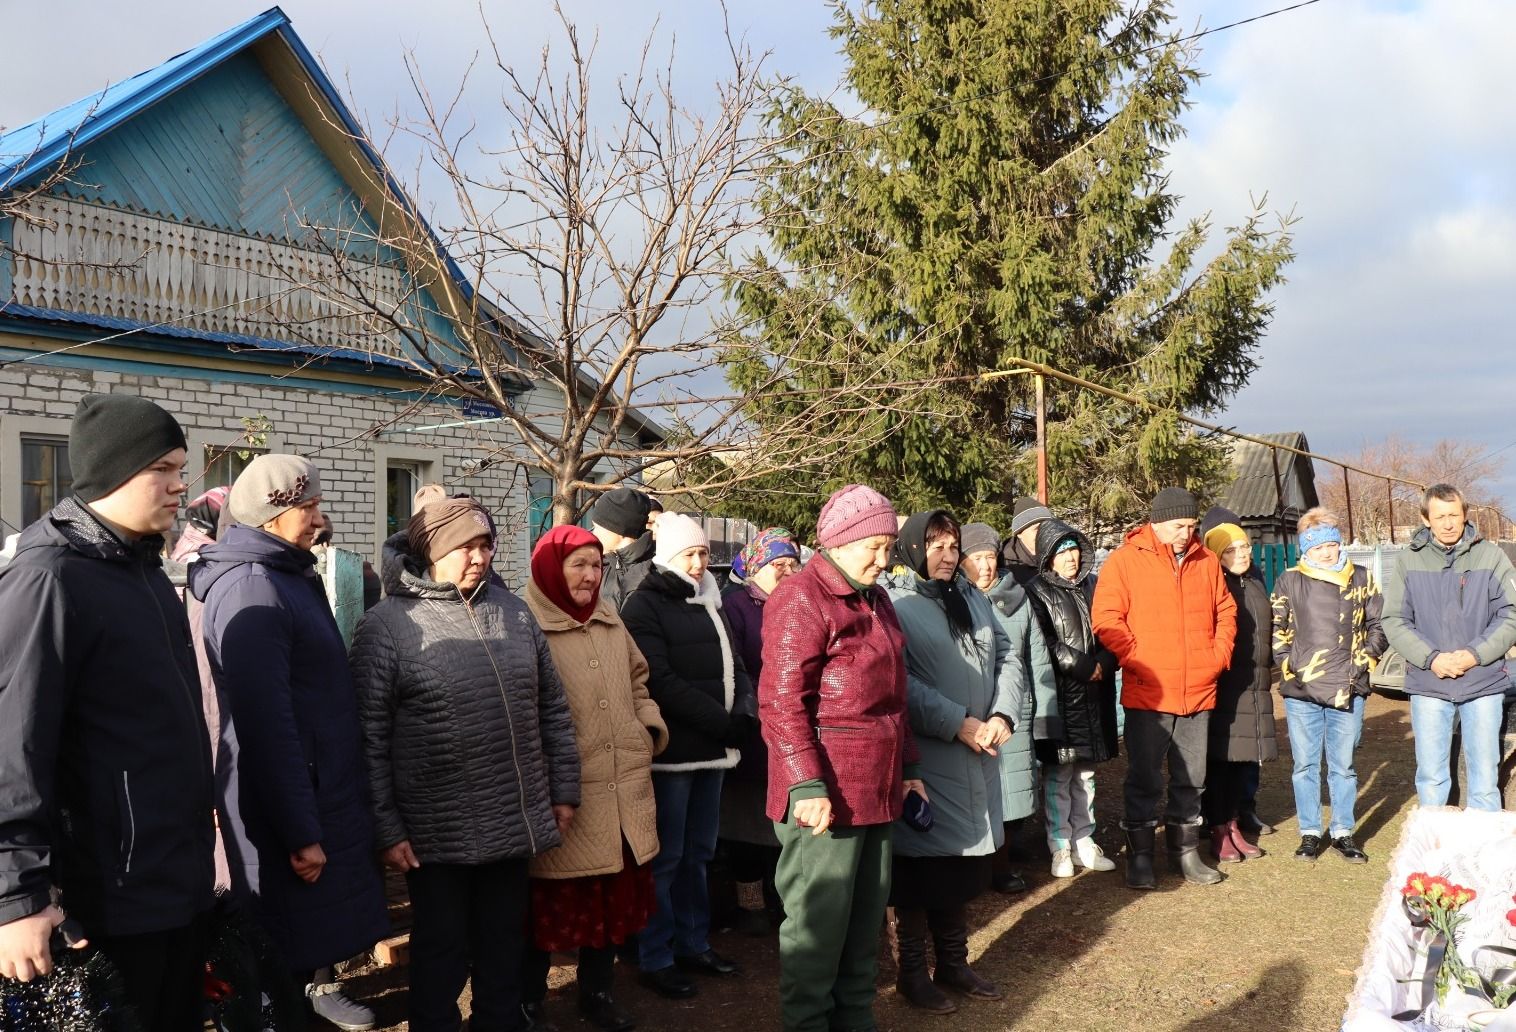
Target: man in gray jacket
[(1450, 610)]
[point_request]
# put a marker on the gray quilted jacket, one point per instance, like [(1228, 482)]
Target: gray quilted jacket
[(466, 729)]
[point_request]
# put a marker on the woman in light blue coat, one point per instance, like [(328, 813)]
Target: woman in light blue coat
[(1039, 716), (965, 692)]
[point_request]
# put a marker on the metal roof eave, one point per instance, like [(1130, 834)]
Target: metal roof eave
[(66, 325)]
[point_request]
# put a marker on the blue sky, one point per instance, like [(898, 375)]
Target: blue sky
[(1382, 125)]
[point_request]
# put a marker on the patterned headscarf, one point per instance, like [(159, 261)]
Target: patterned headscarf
[(773, 543)]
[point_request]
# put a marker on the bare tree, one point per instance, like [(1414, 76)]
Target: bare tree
[(1379, 508), (594, 264)]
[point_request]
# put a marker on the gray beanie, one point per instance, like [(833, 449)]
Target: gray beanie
[(273, 484), (1028, 516), (977, 537), (1175, 503)]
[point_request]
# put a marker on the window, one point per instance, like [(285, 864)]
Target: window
[(401, 481), (223, 465), (45, 475), (540, 508)]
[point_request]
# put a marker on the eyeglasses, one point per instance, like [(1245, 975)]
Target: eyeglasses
[(785, 565)]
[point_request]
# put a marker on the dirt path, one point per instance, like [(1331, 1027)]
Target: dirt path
[(1275, 946)]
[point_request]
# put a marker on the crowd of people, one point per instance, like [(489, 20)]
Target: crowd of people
[(867, 726)]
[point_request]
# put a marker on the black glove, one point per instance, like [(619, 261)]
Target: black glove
[(739, 730)]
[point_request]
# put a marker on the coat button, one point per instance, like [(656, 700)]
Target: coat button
[(610, 786), (609, 746), (594, 664), (604, 704)]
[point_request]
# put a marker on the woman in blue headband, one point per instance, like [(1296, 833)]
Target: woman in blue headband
[(1326, 640)]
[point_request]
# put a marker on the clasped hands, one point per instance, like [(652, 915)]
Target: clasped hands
[(1454, 664), (984, 736)]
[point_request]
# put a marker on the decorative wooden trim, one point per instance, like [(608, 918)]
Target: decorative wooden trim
[(200, 278)]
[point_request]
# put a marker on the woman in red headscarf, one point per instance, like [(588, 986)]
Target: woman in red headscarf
[(596, 890)]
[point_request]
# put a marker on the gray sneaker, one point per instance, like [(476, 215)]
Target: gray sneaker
[(331, 1004)]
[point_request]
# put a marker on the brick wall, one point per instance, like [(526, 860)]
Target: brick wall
[(315, 423)]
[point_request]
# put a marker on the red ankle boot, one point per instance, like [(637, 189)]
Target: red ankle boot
[(1221, 845), (1241, 844)]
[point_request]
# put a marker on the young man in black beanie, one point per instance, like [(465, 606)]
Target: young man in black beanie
[(619, 521), (105, 772)]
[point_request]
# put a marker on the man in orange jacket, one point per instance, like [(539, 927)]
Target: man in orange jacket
[(1162, 606)]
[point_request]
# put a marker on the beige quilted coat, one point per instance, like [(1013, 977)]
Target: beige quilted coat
[(619, 731)]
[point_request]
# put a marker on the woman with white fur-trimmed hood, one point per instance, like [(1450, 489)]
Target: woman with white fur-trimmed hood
[(702, 689)]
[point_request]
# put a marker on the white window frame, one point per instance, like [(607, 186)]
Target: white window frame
[(12, 429), (199, 440), (430, 464)]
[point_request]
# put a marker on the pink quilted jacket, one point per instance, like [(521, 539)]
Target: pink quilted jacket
[(832, 696)]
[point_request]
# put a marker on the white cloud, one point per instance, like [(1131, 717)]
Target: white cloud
[(1383, 127)]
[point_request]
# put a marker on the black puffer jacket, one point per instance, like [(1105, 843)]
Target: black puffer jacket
[(694, 674), (105, 765), (466, 729), (1242, 724), (1326, 633), (625, 569), (1088, 706)]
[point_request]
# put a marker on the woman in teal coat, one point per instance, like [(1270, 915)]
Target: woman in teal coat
[(965, 691), (1039, 716)]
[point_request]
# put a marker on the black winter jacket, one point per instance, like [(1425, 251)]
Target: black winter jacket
[(1242, 726), (1327, 633), (105, 765), (694, 674), (625, 569), (1087, 705), (466, 729)]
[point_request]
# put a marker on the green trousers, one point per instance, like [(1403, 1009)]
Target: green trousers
[(835, 887)]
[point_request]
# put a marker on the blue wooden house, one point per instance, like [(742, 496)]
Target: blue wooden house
[(174, 261)]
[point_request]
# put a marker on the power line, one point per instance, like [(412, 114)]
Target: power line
[(948, 105)]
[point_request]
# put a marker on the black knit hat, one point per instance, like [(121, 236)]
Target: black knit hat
[(1174, 503), (114, 437), (623, 511)]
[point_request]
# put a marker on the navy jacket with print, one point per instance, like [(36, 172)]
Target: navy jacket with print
[(1443, 600)]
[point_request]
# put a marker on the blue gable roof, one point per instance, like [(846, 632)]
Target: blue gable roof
[(235, 152), (229, 153), (31, 149)]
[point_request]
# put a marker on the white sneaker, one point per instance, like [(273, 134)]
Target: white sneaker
[(1063, 864), (1087, 854)]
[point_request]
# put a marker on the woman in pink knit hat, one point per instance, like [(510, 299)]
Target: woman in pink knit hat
[(841, 759)]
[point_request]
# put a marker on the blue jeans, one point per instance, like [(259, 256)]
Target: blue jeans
[(1312, 728), (689, 816), (1480, 720)]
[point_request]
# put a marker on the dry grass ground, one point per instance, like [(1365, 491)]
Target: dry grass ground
[(1273, 947)]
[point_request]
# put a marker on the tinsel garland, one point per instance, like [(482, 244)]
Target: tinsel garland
[(83, 993), (248, 986)]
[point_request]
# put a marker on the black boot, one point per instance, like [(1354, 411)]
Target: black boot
[(1139, 856), (596, 1004), (1184, 854), (950, 937), (913, 983)]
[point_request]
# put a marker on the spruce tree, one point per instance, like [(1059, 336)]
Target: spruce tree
[(1003, 196)]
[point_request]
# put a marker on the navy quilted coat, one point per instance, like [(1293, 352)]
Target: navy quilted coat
[(466, 727), (289, 767)]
